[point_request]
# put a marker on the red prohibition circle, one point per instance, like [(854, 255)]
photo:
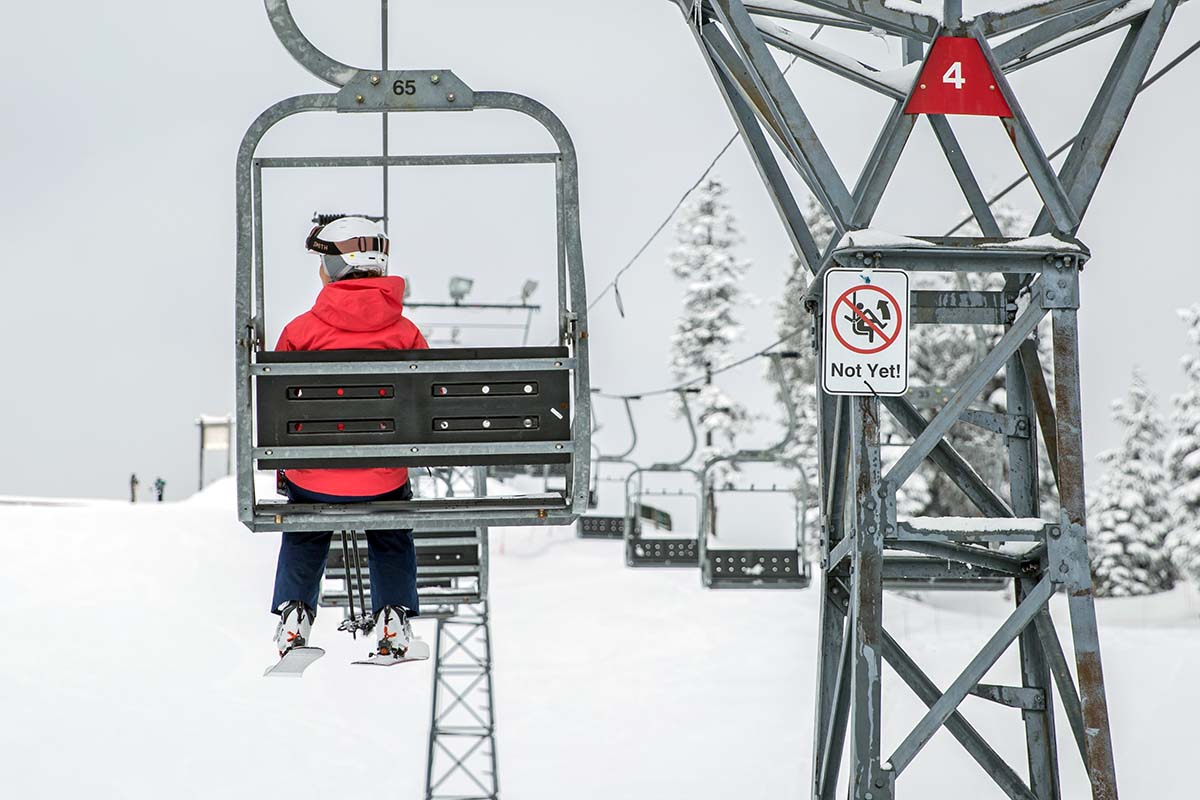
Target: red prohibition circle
[(886, 341)]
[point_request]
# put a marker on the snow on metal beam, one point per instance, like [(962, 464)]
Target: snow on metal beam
[(894, 83)]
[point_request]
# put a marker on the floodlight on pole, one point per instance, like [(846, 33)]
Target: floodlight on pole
[(527, 290), (460, 287)]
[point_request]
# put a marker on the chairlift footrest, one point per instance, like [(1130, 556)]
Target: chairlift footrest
[(450, 567), (662, 552), (741, 569), (597, 527)]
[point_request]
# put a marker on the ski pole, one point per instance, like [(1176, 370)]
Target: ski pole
[(362, 600), (349, 587)]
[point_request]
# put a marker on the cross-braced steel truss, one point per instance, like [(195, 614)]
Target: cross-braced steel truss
[(462, 731), (864, 542)]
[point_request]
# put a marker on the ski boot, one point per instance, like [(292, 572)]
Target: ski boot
[(394, 633), (291, 640), (295, 625), (395, 643)]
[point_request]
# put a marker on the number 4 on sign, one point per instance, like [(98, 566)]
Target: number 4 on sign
[(954, 75), (942, 86)]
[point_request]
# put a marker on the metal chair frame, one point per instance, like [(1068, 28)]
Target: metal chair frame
[(635, 543), (384, 92), (754, 562), (595, 526)]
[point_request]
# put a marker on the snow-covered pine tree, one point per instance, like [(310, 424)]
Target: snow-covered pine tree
[(1129, 519), (1183, 460), (704, 260)]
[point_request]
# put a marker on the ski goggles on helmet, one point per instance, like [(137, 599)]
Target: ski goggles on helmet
[(357, 244)]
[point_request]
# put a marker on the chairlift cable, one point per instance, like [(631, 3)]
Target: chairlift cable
[(611, 286), (701, 378)]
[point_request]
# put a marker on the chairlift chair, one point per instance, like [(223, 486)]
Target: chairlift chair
[(451, 569), (757, 568), (597, 526), (441, 407), (661, 551), (452, 565)]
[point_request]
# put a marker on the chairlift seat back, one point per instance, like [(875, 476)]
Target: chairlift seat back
[(330, 417)]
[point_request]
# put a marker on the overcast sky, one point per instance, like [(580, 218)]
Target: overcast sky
[(122, 120)]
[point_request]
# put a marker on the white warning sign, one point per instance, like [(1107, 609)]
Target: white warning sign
[(865, 337)]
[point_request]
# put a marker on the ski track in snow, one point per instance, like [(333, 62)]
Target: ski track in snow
[(610, 683)]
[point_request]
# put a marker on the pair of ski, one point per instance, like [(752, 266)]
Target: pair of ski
[(295, 661)]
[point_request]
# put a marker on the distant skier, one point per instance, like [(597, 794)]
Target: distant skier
[(359, 308), (133, 486), (159, 487)]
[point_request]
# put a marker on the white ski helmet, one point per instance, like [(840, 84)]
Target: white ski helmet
[(349, 243)]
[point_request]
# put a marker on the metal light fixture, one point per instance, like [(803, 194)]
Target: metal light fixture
[(527, 290), (460, 287)]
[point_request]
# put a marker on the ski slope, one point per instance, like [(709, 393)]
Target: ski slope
[(134, 639)]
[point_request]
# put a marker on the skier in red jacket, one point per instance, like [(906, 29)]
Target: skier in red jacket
[(359, 308)]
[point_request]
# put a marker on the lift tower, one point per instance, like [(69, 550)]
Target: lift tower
[(963, 69)]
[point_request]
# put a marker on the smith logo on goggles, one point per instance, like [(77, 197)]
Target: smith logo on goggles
[(359, 244)]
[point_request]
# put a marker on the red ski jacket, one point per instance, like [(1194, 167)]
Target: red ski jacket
[(358, 314)]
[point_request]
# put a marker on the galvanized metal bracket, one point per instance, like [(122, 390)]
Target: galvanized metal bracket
[(1064, 543), (1061, 277), (405, 90)]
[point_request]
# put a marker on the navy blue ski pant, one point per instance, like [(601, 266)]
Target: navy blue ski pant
[(391, 558)]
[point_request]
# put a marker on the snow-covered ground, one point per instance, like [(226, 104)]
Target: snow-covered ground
[(133, 639)]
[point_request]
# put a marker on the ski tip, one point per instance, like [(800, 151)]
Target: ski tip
[(294, 662), (417, 651)]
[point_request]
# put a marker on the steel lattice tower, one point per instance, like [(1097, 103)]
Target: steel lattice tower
[(865, 546), (462, 729)]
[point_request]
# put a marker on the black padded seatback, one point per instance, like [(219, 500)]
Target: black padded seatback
[(413, 406)]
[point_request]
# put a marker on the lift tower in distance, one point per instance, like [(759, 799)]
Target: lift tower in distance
[(963, 69)]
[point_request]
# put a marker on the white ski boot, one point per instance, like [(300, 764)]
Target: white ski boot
[(395, 643), (295, 626), (394, 632), (291, 640)]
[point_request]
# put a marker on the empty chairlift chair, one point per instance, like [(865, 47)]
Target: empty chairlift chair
[(460, 407), (748, 567), (597, 526), (643, 550)]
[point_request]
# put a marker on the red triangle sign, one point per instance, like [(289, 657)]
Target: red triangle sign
[(957, 79)]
